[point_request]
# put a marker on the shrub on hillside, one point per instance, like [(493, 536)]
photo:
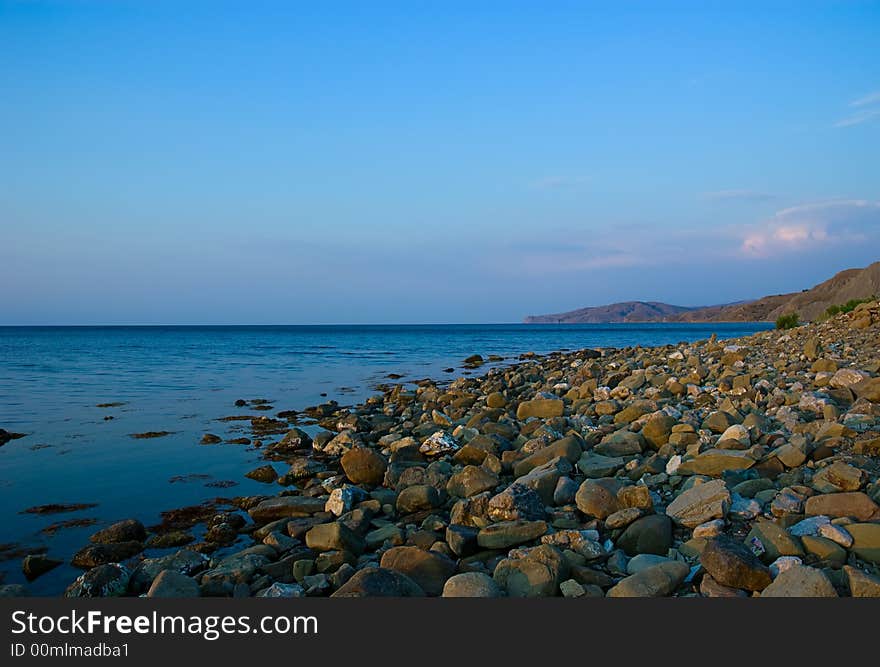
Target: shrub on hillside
[(789, 321)]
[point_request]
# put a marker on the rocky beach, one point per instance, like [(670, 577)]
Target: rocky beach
[(736, 468)]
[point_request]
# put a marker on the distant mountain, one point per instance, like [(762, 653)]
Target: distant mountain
[(808, 304), (628, 311)]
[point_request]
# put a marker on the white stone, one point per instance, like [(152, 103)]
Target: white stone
[(439, 443), (837, 534), (809, 526), (673, 464)]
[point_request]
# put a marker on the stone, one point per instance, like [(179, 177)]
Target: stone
[(130, 530), (471, 585), (838, 477), (598, 498), (837, 534), (712, 589), (462, 540), (537, 573), (514, 503), (102, 554), (542, 408), (595, 465), (35, 565), (417, 498), (429, 569), (471, 481), (800, 581), (379, 582), (265, 474), (866, 540), (774, 539), (334, 536), (657, 430), (709, 529), (643, 561), (438, 444), (732, 564), (281, 507), (282, 590), (651, 534), (657, 581), (171, 584), (621, 443), (861, 584), (103, 581), (568, 448), (623, 518), (713, 462), (853, 504), (737, 432), (867, 388), (543, 478), (509, 533), (363, 465), (700, 503), (824, 549)]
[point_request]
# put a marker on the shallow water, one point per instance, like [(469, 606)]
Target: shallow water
[(182, 379)]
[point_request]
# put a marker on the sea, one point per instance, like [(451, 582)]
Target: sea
[(183, 379)]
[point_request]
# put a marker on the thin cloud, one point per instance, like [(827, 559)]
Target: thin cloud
[(871, 98), (858, 119), (869, 106), (739, 195)]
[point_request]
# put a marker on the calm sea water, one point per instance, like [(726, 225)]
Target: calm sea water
[(182, 379)]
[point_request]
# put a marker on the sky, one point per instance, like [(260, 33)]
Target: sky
[(412, 162)]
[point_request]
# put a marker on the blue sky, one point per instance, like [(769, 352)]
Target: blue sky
[(284, 162)]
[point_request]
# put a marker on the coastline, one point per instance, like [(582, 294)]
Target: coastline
[(574, 473)]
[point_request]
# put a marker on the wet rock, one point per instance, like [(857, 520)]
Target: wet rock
[(35, 565), (265, 474), (104, 581), (102, 554), (210, 439), (130, 530)]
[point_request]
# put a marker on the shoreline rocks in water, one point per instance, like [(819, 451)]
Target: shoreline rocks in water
[(747, 467)]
